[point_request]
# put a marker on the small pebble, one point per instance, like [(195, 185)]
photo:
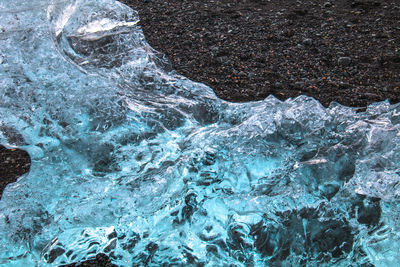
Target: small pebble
[(344, 61), (222, 59), (298, 85), (307, 41), (214, 49)]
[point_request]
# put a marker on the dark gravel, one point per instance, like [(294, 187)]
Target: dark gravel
[(346, 51), (13, 163), (101, 260)]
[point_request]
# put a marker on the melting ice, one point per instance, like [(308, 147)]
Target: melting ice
[(134, 161)]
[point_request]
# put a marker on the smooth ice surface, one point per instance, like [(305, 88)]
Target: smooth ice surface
[(132, 160)]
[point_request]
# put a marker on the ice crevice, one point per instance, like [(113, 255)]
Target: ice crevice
[(135, 161)]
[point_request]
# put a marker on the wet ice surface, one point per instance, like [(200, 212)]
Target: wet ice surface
[(132, 160)]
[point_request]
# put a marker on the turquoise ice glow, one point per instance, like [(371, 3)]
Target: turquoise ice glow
[(132, 160)]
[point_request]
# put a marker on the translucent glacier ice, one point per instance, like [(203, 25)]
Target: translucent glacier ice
[(134, 161)]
